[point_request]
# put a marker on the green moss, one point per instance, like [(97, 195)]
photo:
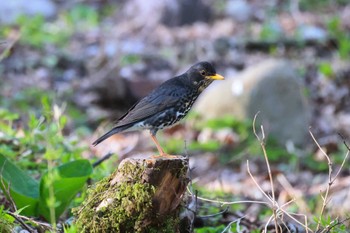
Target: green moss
[(127, 205), (170, 224)]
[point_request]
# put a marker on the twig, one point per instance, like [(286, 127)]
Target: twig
[(319, 147), (325, 197), (267, 224), (109, 154), (216, 214), (43, 224), (292, 192), (257, 185), (18, 218), (277, 209), (101, 160), (234, 221), (342, 164), (331, 180), (344, 142), (228, 202), (329, 228), (262, 144), (290, 215)]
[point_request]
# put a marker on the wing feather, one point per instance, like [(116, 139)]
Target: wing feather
[(157, 101)]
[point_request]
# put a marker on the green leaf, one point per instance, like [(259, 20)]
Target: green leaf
[(210, 145), (65, 181), (326, 69), (7, 115), (210, 229), (24, 190), (220, 123)]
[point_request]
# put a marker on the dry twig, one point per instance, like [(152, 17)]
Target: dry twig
[(262, 144), (297, 194), (276, 208), (222, 203), (329, 228), (331, 179)]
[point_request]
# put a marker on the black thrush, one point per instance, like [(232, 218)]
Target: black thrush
[(167, 104)]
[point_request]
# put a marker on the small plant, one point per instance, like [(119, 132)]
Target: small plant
[(271, 31), (342, 36), (6, 221), (326, 69), (37, 32), (35, 197), (130, 59), (43, 151), (81, 17)]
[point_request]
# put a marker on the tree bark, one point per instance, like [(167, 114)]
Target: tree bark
[(142, 195)]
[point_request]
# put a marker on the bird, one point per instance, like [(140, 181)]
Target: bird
[(167, 104)]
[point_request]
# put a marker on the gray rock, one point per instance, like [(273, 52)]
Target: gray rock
[(271, 87), (240, 10), (310, 32), (10, 10)]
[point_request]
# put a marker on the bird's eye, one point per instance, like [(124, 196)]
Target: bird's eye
[(202, 72)]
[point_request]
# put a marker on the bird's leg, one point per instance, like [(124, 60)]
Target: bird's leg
[(160, 149)]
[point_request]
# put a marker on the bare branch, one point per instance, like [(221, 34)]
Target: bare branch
[(331, 180), (257, 185), (341, 166), (262, 144), (18, 218), (216, 214), (234, 221), (290, 215), (297, 194), (344, 142), (329, 228), (229, 202), (320, 148)]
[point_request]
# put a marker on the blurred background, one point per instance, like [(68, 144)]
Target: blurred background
[(68, 69)]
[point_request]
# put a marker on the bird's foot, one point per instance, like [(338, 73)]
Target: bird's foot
[(164, 156)]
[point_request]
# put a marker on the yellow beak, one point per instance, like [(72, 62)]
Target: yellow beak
[(216, 77)]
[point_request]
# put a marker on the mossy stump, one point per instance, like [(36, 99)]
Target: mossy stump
[(142, 195)]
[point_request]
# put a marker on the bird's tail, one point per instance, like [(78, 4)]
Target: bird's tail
[(115, 130)]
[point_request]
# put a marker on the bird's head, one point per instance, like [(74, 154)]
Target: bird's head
[(202, 74)]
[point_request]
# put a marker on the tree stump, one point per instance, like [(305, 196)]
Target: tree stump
[(142, 195)]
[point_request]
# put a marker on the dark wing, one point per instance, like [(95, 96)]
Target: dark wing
[(164, 97)]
